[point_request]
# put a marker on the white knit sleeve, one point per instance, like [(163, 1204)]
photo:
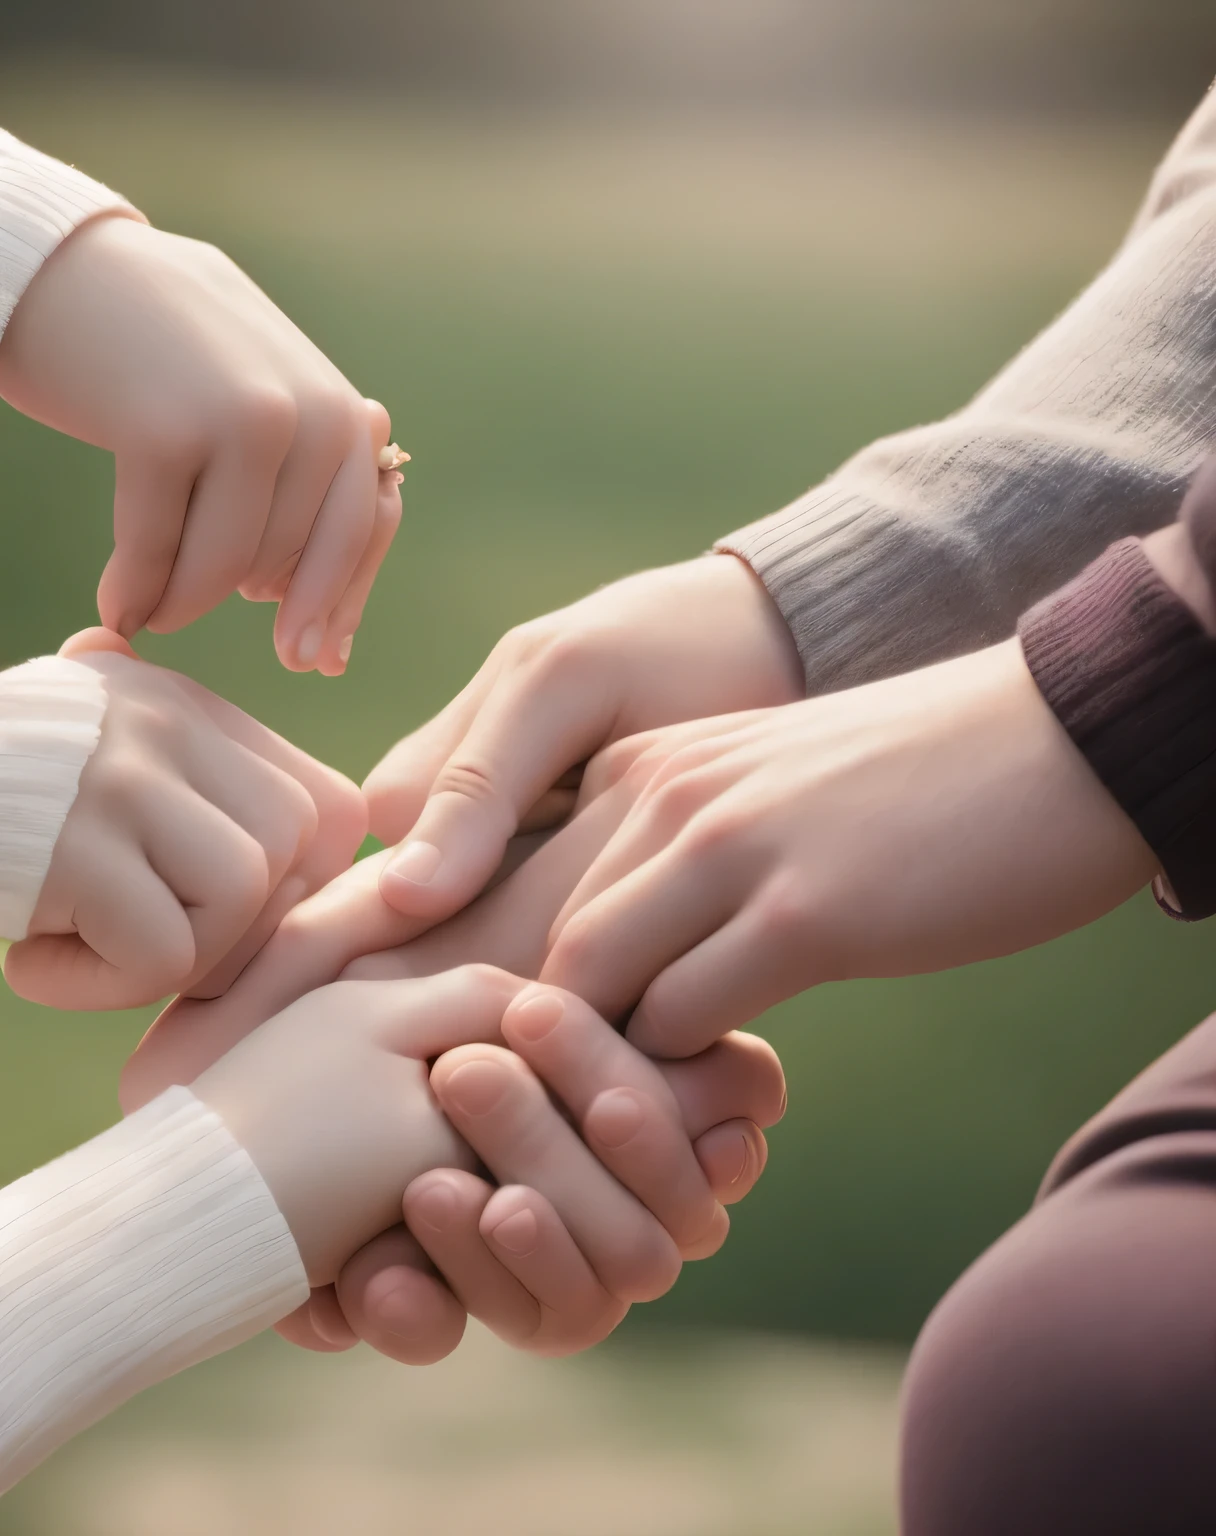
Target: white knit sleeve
[(41, 202), (152, 1246), (51, 711)]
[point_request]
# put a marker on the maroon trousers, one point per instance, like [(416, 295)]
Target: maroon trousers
[(1066, 1386)]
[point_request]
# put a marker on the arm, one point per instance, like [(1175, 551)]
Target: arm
[(243, 459), (1126, 658), (41, 202), (923, 547), (152, 1246), (933, 542)]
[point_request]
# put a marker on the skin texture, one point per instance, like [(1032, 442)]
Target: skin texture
[(702, 638), (244, 461), (194, 831), (543, 1299), (718, 866), (910, 825)]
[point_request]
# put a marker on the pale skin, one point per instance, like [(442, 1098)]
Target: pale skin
[(331, 1100), (194, 831), (582, 1221), (244, 461), (716, 867)]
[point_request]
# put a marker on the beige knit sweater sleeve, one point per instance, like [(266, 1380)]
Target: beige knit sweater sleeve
[(933, 542)]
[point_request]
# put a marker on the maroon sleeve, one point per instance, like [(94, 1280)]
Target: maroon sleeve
[(1131, 675)]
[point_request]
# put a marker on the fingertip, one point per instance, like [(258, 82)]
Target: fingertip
[(406, 1314), (95, 640)]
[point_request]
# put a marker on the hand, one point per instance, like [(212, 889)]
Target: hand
[(910, 825), (702, 638), (243, 459), (577, 1229), (331, 1101), (194, 830), (387, 1294)]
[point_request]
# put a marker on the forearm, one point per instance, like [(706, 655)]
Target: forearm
[(933, 542), (1125, 655), (153, 1246), (41, 202)]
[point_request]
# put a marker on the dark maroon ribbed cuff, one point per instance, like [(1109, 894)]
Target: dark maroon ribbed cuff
[(1131, 675)]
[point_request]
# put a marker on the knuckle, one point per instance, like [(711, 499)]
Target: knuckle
[(480, 976), (173, 440), (788, 910), (468, 779), (572, 945), (711, 833), (613, 764), (266, 418)]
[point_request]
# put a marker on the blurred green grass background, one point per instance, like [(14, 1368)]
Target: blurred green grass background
[(606, 340)]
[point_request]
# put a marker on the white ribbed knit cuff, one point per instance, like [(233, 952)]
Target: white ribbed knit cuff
[(152, 1246), (51, 712), (41, 202)]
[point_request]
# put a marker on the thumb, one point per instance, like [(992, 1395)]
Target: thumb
[(529, 732)]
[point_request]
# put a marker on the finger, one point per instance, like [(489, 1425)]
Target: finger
[(339, 536), (537, 723), (224, 524), (217, 872), (739, 1075), (397, 787), (300, 1328), (278, 813), (610, 950), (269, 804), (501, 1110), (321, 443), (151, 495), (628, 1116), (393, 1300), (733, 1156), (93, 641), (762, 956), (347, 613), (511, 1262), (344, 621), (124, 954)]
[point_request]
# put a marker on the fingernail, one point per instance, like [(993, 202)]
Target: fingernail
[(416, 862), (345, 647), (475, 1088), (618, 1117), (394, 1309), (537, 1015), (308, 648), (517, 1234), (434, 1206)]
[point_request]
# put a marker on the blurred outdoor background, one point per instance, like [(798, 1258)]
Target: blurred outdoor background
[(627, 275)]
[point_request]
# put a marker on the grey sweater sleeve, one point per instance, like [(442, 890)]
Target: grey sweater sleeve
[(932, 543)]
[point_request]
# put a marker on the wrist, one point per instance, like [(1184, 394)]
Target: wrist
[(763, 633), (1171, 553), (42, 202)]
